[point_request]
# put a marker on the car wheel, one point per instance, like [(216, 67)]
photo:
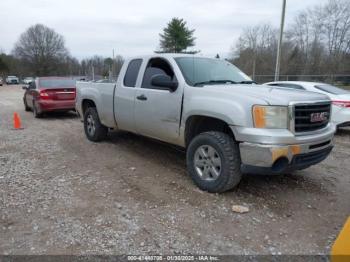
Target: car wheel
[(26, 107), (214, 162), (36, 112), (94, 130)]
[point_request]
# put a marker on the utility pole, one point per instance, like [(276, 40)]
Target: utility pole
[(93, 73), (279, 47)]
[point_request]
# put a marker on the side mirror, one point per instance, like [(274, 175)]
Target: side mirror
[(25, 87), (165, 82)]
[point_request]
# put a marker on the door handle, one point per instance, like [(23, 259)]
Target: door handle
[(142, 97)]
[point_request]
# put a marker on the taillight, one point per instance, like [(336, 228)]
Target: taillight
[(341, 103), (44, 95)]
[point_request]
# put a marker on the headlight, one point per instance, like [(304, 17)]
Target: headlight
[(270, 116)]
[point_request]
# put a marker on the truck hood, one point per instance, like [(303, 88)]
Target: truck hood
[(270, 94)]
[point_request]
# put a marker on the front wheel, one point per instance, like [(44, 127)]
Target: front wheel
[(214, 162), (94, 130)]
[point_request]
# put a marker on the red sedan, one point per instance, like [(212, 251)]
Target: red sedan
[(47, 94)]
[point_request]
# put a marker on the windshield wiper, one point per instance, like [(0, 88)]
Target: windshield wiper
[(215, 82), (247, 82)]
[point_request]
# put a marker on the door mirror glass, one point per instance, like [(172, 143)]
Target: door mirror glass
[(164, 81)]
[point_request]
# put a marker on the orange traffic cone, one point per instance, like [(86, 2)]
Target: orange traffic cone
[(16, 121)]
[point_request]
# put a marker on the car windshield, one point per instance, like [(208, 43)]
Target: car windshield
[(332, 89), (53, 83), (205, 71)]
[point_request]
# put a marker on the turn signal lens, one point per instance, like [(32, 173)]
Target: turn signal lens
[(259, 113), (270, 117)]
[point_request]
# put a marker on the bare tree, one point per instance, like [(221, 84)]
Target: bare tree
[(255, 49), (336, 26), (304, 36), (101, 66), (41, 49), (316, 42)]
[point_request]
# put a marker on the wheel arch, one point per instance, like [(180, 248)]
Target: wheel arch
[(197, 124), (86, 103)]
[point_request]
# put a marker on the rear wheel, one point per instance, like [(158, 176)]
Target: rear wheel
[(94, 130), (36, 112), (213, 162), (26, 107)]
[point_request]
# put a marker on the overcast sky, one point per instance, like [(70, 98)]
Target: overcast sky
[(132, 27)]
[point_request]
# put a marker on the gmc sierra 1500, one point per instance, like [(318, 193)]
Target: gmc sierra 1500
[(228, 124)]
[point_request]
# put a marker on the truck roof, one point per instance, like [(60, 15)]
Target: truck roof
[(166, 55)]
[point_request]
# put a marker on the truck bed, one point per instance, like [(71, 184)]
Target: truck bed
[(102, 94)]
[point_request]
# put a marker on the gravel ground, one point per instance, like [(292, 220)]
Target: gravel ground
[(61, 194)]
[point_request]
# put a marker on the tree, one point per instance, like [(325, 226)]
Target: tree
[(41, 49), (317, 42), (176, 37), (256, 48), (3, 66), (101, 66)]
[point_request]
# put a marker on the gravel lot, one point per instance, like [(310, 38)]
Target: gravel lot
[(61, 194)]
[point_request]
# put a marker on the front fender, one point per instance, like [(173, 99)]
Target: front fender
[(230, 111)]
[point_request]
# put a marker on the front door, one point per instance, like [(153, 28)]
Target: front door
[(157, 111)]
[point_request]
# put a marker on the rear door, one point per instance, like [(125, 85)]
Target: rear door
[(124, 97), (157, 111)]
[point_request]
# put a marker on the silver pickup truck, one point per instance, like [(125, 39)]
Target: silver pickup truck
[(228, 124)]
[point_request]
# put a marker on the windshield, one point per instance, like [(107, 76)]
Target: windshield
[(53, 83), (332, 89), (201, 71)]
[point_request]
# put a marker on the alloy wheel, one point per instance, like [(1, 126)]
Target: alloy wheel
[(207, 163)]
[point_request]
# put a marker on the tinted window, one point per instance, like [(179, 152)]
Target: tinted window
[(332, 89), (55, 83), (156, 66), (198, 70), (132, 72)]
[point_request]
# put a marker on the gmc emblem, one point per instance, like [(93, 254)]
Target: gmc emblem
[(319, 117)]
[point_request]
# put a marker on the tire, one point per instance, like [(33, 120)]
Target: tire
[(26, 107), (36, 112), (93, 128), (226, 150)]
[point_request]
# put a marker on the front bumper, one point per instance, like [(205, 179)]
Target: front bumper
[(277, 159), (267, 154)]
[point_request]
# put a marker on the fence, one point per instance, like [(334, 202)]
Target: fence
[(342, 80)]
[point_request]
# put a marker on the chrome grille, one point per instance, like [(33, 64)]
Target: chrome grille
[(303, 116)]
